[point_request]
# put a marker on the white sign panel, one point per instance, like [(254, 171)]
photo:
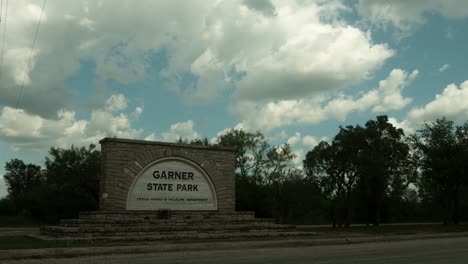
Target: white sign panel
[(172, 183)]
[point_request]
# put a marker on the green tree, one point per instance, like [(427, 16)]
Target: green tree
[(384, 166), (196, 141), (21, 178), (335, 167), (72, 178), (251, 150), (444, 158), (278, 163), (279, 169)]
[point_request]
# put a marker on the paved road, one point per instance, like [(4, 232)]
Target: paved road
[(431, 251)]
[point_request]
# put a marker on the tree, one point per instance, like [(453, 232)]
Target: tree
[(278, 168), (444, 151), (21, 178), (250, 149), (72, 177), (278, 163), (196, 141), (335, 167), (383, 162)]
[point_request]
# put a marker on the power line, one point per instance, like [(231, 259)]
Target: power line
[(4, 33), (30, 55)]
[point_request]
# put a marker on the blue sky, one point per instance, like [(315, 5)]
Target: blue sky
[(160, 70)]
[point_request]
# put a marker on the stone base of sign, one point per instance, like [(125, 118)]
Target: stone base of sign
[(148, 225)]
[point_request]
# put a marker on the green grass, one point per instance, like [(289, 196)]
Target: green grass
[(25, 242), (387, 229)]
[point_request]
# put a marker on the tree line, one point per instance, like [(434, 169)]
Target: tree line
[(365, 174)]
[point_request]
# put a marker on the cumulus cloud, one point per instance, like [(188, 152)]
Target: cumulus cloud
[(407, 14), (282, 49), (307, 140), (137, 112), (314, 57), (390, 89), (451, 103), (310, 141), (24, 130), (294, 139), (151, 137), (117, 102), (179, 130), (405, 125), (314, 109)]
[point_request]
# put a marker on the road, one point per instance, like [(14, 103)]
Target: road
[(431, 251)]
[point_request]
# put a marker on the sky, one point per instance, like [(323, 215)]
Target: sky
[(158, 70)]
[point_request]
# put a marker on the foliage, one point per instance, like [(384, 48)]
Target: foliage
[(250, 149), (72, 177), (21, 178), (335, 167), (383, 166), (444, 149), (366, 174), (195, 141)]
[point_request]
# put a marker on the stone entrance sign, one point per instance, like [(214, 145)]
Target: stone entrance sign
[(174, 183), (149, 175)]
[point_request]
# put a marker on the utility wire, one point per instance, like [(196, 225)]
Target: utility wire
[(20, 96), (4, 33)]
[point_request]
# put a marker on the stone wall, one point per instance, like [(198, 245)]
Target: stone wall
[(123, 160)]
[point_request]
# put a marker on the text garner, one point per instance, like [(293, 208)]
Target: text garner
[(172, 175)]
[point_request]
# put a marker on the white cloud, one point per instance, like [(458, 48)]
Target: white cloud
[(117, 102), (451, 103), (390, 91), (294, 139), (298, 158), (407, 14), (310, 141), (312, 57), (314, 109), (307, 140), (405, 125), (280, 47), (137, 112), (23, 130), (444, 67), (151, 137), (280, 136), (182, 130)]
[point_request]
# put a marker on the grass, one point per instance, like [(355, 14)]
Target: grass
[(25, 242), (409, 229)]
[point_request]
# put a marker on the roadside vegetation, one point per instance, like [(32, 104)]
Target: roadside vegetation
[(316, 232), (368, 174)]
